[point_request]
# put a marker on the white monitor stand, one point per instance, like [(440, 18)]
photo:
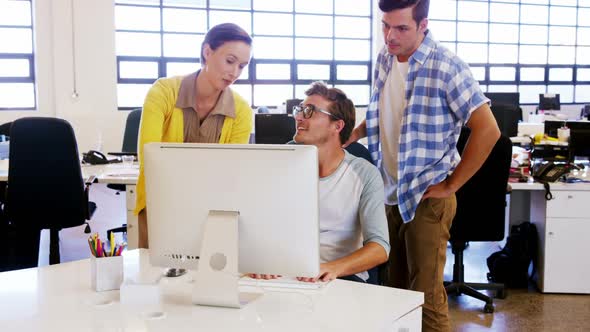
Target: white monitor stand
[(216, 280)]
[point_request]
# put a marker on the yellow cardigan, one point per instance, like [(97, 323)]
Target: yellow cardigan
[(162, 121)]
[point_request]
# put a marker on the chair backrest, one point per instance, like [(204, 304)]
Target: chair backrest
[(45, 186), (481, 202), (358, 150), (5, 128), (131, 131)]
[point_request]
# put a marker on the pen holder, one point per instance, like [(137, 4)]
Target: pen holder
[(106, 273)]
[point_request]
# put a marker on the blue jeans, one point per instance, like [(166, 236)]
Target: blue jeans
[(353, 277)]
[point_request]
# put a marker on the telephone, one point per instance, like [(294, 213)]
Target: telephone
[(550, 172), (94, 157)]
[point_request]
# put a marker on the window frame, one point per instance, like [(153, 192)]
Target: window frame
[(252, 80), (31, 78), (547, 66)]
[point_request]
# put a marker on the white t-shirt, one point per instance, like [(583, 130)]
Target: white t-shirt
[(392, 103)]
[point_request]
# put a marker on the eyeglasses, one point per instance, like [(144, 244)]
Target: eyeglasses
[(308, 110)]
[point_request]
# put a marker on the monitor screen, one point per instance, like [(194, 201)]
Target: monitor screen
[(273, 128), (274, 188), (549, 101), (552, 126), (504, 98), (290, 103)]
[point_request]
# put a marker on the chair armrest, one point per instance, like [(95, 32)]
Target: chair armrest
[(91, 179)]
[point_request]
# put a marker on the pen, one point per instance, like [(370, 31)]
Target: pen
[(112, 244), (98, 248), (91, 245)]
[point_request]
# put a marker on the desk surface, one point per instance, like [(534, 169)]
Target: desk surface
[(59, 298), (580, 186), (113, 173)]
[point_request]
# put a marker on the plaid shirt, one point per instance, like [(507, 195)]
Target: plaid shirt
[(441, 95)]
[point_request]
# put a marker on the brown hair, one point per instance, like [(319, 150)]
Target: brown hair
[(221, 34), (419, 10), (340, 106)]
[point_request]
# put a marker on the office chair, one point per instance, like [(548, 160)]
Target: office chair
[(130, 136), (480, 216), (45, 187), (129, 145), (358, 150), (5, 128)]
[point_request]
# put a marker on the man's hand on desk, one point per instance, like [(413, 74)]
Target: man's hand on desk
[(328, 272)]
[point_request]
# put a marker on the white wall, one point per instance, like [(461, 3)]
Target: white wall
[(93, 114)]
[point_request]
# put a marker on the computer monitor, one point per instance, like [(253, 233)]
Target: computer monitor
[(506, 110), (504, 98), (273, 128), (549, 101), (274, 188), (552, 126), (579, 144), (290, 103)]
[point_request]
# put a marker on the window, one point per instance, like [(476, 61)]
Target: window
[(295, 43), (527, 46), (17, 73)]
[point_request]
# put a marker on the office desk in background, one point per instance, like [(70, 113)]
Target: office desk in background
[(563, 225), (112, 173), (59, 298)]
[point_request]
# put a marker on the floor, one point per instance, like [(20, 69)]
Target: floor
[(521, 310)]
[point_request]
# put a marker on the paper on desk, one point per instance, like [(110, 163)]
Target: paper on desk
[(121, 171)]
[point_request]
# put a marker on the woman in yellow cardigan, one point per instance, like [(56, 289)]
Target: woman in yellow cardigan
[(200, 107)]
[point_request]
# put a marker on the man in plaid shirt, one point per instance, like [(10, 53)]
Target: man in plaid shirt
[(423, 95)]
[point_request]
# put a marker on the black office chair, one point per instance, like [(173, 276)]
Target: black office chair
[(131, 131), (481, 205), (358, 150), (45, 187), (129, 145), (5, 128), (130, 136)]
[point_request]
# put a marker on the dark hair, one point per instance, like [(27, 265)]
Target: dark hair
[(340, 106), (419, 10), (221, 34)]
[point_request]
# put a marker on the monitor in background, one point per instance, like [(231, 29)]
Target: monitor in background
[(579, 141), (274, 188), (506, 110), (549, 102), (552, 126), (504, 98), (290, 103), (273, 128), (579, 145)]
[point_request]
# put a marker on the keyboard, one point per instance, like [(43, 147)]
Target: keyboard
[(287, 283)]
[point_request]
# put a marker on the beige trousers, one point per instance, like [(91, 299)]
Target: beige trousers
[(418, 255)]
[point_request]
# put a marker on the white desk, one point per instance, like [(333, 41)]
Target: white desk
[(113, 173), (563, 224), (59, 298)]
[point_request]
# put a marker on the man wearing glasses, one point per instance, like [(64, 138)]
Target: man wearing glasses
[(353, 225)]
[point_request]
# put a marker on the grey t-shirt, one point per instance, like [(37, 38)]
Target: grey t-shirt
[(352, 210)]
